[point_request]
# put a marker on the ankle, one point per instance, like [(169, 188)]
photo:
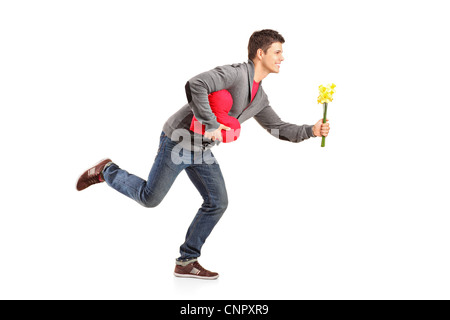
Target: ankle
[(101, 177), (184, 262)]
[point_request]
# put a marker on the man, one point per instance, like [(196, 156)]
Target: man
[(183, 149)]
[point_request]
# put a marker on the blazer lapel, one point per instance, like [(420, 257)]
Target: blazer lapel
[(250, 110), (253, 108), (251, 76)]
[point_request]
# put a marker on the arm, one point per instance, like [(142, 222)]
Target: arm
[(198, 88), (270, 121)]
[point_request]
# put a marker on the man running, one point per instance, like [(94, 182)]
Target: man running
[(181, 148)]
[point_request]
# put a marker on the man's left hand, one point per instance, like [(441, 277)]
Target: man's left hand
[(321, 129)]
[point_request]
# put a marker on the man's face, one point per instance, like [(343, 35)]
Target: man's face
[(272, 59)]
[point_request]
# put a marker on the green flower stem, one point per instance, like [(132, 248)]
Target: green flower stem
[(325, 105)]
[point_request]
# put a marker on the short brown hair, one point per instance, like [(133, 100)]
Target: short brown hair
[(262, 40)]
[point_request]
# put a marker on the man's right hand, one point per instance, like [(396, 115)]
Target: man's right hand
[(321, 129), (216, 134)]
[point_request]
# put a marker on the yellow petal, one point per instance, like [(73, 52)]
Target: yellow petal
[(326, 93)]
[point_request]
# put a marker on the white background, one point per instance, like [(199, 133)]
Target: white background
[(366, 217)]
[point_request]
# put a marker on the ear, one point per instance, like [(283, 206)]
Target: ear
[(259, 54)]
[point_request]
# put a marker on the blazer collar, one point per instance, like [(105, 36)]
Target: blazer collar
[(251, 74), (251, 77)]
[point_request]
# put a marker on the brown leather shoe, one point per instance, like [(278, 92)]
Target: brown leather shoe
[(92, 175), (194, 270)]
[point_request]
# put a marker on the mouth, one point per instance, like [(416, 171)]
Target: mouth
[(278, 64)]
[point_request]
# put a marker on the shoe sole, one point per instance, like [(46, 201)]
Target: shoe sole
[(180, 275), (76, 184)]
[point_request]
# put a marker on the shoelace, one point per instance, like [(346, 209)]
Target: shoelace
[(94, 179), (199, 267)]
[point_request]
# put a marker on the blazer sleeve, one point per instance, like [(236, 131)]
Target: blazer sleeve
[(198, 88), (270, 121)]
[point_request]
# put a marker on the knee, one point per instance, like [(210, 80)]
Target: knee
[(224, 204), (150, 203), (221, 205), (150, 199)]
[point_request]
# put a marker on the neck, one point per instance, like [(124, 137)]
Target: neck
[(260, 72)]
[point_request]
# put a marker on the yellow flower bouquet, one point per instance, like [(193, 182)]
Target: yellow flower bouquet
[(325, 97)]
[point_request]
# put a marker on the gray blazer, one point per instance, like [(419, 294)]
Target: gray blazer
[(238, 80)]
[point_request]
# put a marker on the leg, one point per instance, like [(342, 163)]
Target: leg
[(209, 181), (162, 175)]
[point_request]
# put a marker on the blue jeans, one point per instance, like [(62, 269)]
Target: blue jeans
[(204, 172)]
